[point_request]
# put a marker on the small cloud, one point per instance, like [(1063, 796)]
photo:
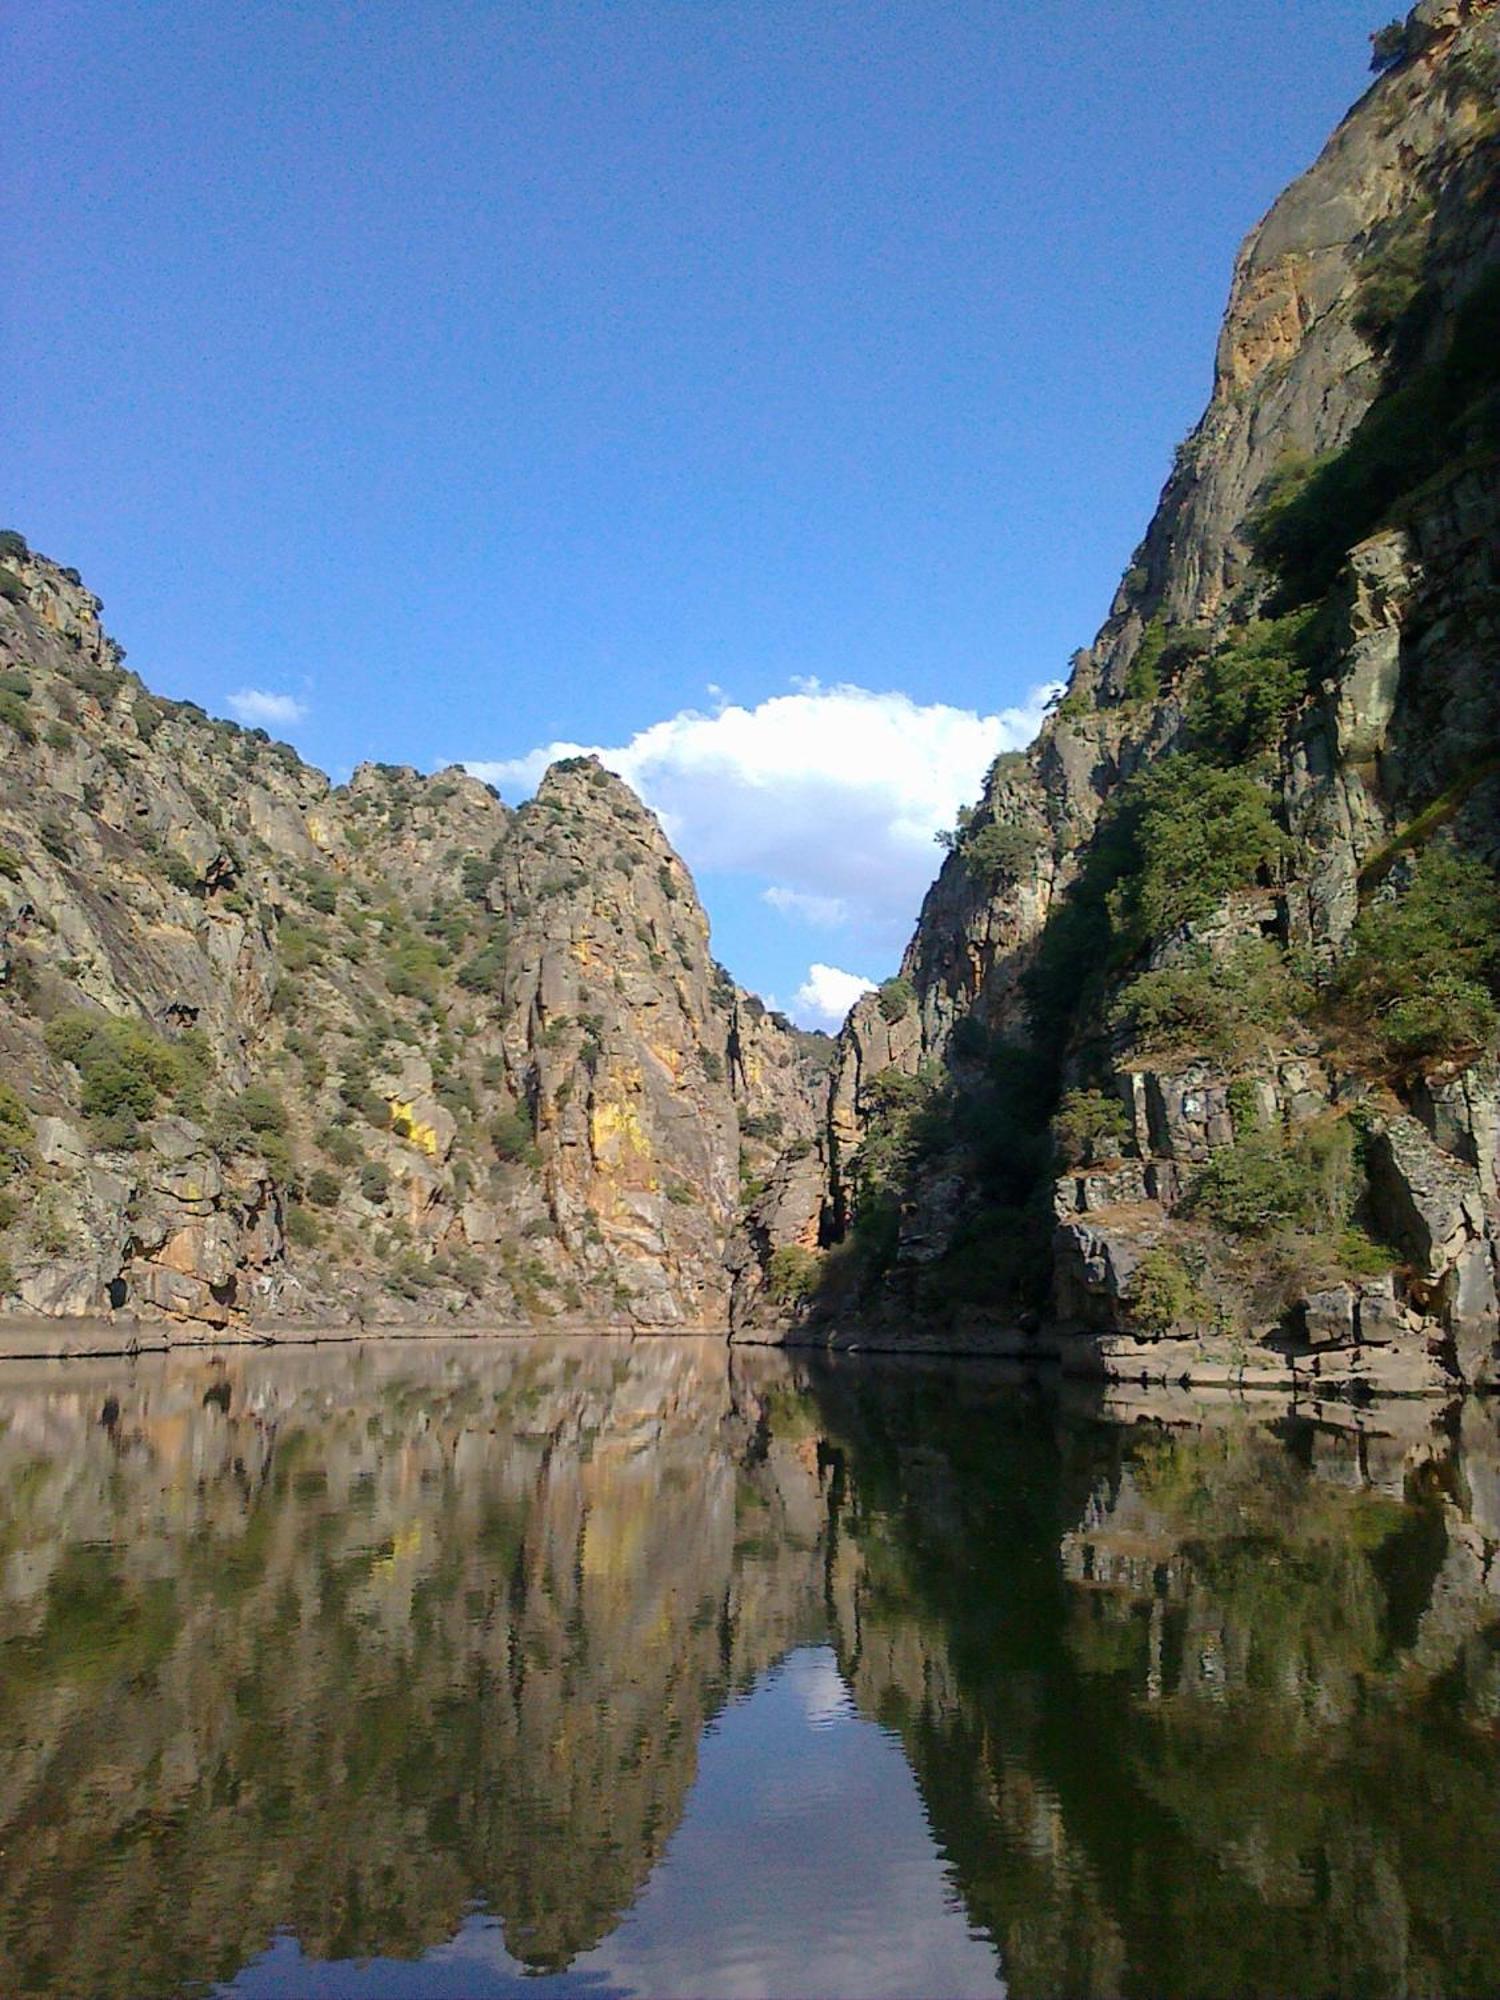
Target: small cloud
[(260, 706), (830, 794), (828, 912), (826, 995)]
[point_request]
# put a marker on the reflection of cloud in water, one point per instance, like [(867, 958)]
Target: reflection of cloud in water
[(803, 1865), (815, 1679)]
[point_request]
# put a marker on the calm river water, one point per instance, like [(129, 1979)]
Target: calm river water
[(593, 1668)]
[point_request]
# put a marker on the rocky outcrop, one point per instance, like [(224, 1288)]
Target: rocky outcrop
[(1305, 638), (280, 1050)]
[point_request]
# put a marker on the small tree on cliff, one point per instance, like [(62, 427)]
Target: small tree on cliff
[(1387, 46)]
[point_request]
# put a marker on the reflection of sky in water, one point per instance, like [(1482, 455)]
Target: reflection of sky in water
[(804, 1865)]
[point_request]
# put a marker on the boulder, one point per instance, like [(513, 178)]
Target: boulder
[(59, 1144), (1427, 1202)]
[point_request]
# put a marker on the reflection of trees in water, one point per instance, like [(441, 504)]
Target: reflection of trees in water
[(337, 1642), (1217, 1714)]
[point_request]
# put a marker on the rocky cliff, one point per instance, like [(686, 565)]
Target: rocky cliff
[(1192, 1053), (274, 1049)]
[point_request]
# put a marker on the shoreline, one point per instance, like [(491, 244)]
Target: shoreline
[(1349, 1377), (35, 1338)]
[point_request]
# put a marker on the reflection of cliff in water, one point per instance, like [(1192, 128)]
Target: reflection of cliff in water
[(288, 1645), (1212, 1708), (338, 1642)]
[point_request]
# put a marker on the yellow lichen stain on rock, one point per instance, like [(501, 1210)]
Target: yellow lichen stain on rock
[(670, 1059), (616, 1135), (406, 1125)]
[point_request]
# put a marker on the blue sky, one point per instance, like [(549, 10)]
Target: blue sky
[(475, 378)]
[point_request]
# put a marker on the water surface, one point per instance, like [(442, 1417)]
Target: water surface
[(595, 1668)]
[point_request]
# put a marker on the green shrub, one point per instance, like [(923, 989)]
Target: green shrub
[(1223, 1007), (16, 1134), (1250, 687), (10, 863), (147, 717), (56, 837), (1000, 851), (896, 998), (763, 1125), (1243, 1102), (374, 1181), (1269, 1181), (1143, 678), (1423, 961), (1163, 1295), (101, 683), (1452, 1017), (1198, 834), (302, 1230), (341, 1146), (261, 1108), (1388, 46), (181, 874), (1009, 765), (59, 737), (1363, 1254), (323, 895), (712, 1064), (792, 1274), (413, 969), (951, 839), (13, 545), (511, 1136), (11, 587), (905, 1121), (323, 1188), (298, 948), (124, 1066), (1090, 1126), (485, 970), (16, 716), (476, 875), (1390, 285)]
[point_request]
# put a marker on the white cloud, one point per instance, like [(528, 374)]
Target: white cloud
[(260, 706), (830, 794), (828, 912), (826, 995)]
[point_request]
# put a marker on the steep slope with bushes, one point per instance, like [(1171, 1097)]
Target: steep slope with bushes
[(1193, 1054), (275, 1049)]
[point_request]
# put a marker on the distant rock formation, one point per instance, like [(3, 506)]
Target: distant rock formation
[(276, 1049)]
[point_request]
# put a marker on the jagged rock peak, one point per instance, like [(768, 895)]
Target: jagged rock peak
[(389, 1049)]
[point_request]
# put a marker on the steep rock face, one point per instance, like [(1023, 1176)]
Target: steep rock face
[(1151, 924), (279, 1049)]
